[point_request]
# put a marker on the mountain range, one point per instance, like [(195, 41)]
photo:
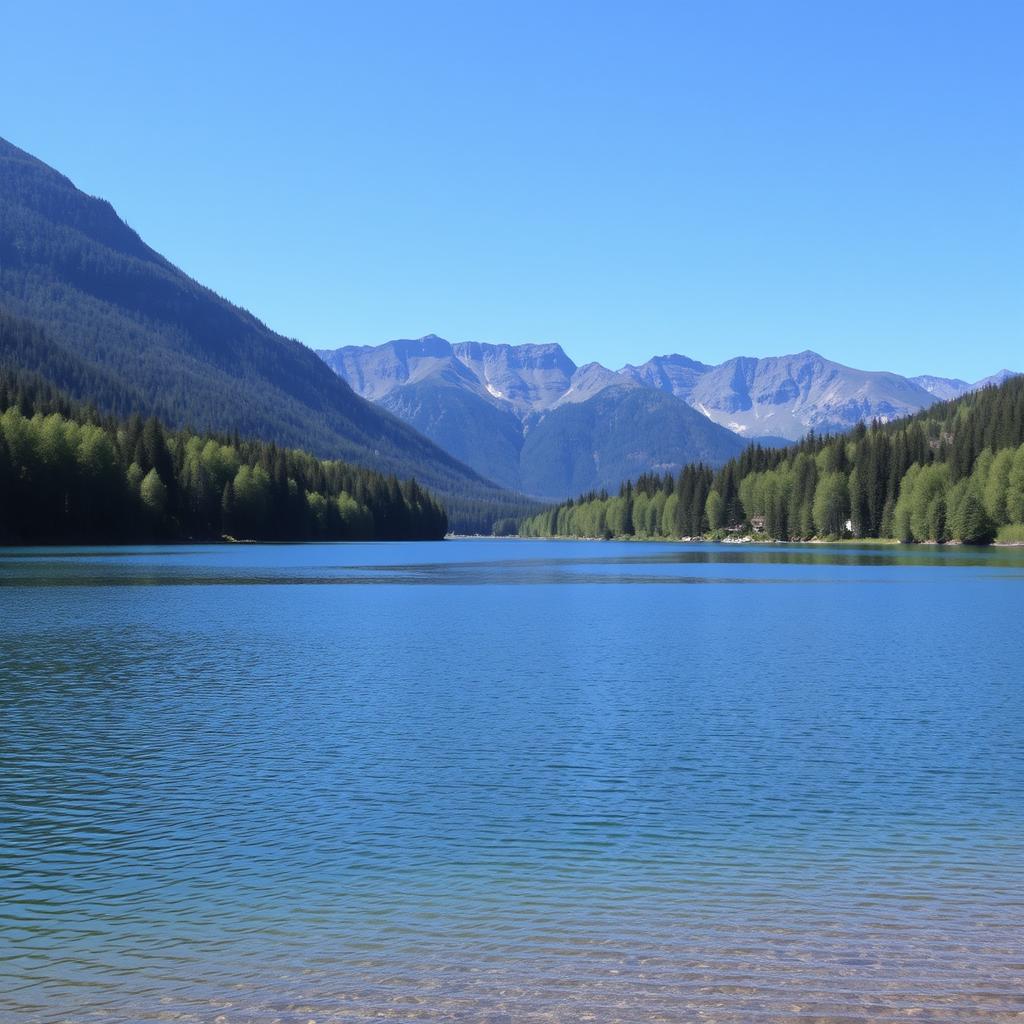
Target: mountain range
[(121, 327), (528, 417), (536, 421)]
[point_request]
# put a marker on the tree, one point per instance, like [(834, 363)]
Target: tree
[(670, 525), (715, 511), (252, 501), (927, 503), (831, 504), (997, 486), (975, 525), (158, 457), (154, 495), (1015, 488), (627, 511), (227, 509), (6, 488)]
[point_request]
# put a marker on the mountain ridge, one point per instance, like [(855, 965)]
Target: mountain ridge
[(533, 378), (947, 388)]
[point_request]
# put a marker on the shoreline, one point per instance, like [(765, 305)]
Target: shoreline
[(879, 542)]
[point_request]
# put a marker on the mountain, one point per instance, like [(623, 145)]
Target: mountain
[(994, 380), (947, 388), (123, 328), (943, 388), (785, 396), (675, 374), (423, 383), (620, 433), (527, 416)]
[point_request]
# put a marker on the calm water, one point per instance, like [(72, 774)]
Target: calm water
[(511, 782)]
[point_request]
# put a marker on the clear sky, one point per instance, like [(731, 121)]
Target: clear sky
[(626, 179)]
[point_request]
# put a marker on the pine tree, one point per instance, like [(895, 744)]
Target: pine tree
[(627, 511)]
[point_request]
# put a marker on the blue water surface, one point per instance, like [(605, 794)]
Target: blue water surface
[(511, 781)]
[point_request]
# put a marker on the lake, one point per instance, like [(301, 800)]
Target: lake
[(511, 781)]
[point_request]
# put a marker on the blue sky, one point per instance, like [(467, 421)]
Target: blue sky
[(627, 180)]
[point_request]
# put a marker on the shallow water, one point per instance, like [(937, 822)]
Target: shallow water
[(511, 781)]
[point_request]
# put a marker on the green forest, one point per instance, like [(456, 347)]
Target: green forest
[(954, 472), (69, 475)]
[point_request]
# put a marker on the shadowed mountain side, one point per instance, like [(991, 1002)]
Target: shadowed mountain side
[(471, 428), (617, 435)]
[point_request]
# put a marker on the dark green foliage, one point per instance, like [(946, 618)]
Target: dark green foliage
[(952, 472), (68, 475), (628, 527)]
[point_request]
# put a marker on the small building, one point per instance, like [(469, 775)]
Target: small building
[(757, 524)]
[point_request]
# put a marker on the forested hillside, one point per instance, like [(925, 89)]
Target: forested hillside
[(954, 472), (69, 475), (120, 327)]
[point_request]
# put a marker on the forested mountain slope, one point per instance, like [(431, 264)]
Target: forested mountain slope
[(69, 475), (123, 328), (954, 472)]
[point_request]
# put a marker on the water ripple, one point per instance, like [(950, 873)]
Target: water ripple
[(520, 782)]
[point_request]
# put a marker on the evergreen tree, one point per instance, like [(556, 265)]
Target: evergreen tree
[(628, 526), (154, 497), (976, 526)]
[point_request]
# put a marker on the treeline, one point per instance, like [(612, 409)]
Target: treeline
[(69, 475), (954, 472)]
